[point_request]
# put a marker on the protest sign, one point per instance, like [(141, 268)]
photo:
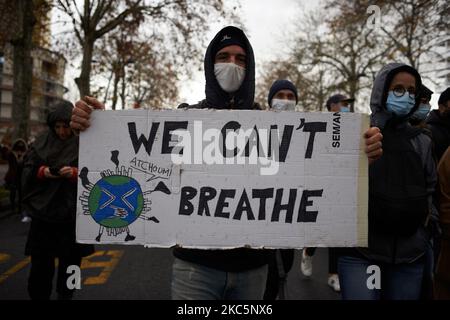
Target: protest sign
[(223, 179)]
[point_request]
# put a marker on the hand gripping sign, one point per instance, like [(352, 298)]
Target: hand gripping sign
[(223, 179)]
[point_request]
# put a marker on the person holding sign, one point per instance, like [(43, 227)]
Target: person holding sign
[(224, 274), (230, 81), (401, 184)]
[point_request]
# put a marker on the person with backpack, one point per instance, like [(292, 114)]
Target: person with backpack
[(401, 184)]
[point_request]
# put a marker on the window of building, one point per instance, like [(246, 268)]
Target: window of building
[(49, 87), (49, 70)]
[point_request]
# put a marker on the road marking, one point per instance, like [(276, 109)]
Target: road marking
[(14, 269), (108, 266)]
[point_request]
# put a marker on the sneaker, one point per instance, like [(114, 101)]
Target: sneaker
[(26, 219), (333, 282), (306, 264)]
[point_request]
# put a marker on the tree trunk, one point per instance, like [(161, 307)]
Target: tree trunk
[(107, 87), (83, 81), (353, 86), (321, 95), (122, 93), (9, 21), (23, 69)]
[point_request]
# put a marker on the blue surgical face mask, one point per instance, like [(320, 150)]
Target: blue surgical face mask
[(345, 109), (422, 112), (400, 106)]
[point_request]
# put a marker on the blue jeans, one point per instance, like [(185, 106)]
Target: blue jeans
[(398, 281), (191, 281)]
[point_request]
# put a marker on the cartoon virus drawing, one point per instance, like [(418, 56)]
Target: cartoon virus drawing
[(116, 200)]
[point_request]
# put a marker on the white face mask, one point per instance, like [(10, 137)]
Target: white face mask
[(229, 76), (285, 105)]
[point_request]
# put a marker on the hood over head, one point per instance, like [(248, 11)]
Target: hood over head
[(19, 145), (62, 111), (216, 97), (49, 148)]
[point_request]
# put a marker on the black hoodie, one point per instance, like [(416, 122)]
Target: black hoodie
[(380, 116), (389, 248), (242, 259), (216, 97)]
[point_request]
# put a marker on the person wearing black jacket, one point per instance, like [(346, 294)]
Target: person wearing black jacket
[(14, 174), (223, 274), (49, 185), (401, 184), (230, 83), (438, 122)]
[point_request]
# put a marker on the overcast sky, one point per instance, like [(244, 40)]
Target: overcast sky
[(268, 24)]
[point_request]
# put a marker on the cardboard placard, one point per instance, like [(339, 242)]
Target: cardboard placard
[(223, 179)]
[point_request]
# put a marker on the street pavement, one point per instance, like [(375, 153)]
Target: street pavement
[(119, 272)]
